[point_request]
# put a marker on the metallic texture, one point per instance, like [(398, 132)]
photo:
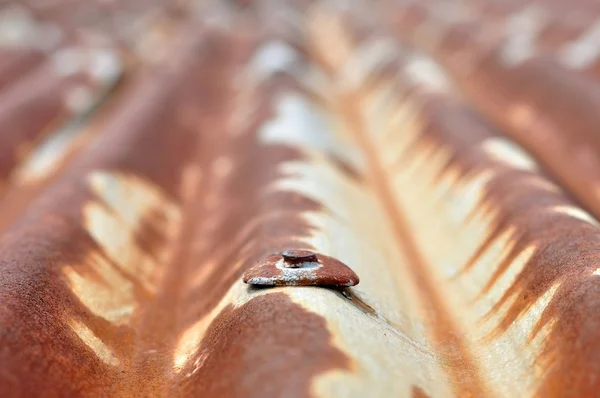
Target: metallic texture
[(295, 258), (306, 269), (155, 155)]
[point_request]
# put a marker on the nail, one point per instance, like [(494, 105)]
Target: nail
[(300, 268), (296, 258)]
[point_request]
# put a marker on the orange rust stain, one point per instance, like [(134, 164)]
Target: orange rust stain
[(247, 222), (460, 363), (417, 392), (268, 347), (565, 253)]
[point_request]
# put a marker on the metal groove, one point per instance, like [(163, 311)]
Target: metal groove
[(156, 156)]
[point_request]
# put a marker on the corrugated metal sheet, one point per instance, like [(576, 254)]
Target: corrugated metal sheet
[(154, 155)]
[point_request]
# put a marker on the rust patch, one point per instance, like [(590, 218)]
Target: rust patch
[(95, 293), (459, 361), (268, 347), (566, 254), (41, 303), (243, 222), (65, 86), (417, 392), (552, 101), (322, 271), (16, 63)]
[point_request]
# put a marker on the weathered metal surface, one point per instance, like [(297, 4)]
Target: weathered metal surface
[(543, 93), (507, 268), (265, 139)]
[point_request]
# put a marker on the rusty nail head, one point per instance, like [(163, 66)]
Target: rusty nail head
[(295, 258), (304, 268)]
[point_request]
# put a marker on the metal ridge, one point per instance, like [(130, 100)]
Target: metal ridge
[(190, 193)]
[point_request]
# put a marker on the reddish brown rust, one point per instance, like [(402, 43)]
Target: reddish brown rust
[(544, 95), (40, 103), (322, 271), (560, 242), (295, 258), (16, 63), (172, 140), (121, 260), (418, 393), (296, 344)]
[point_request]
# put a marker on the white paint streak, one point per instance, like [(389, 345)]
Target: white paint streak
[(190, 341), (580, 53), (522, 30), (291, 276), (124, 202), (300, 123), (527, 322), (261, 280), (16, 26), (105, 66), (102, 66), (102, 351), (575, 212), (367, 57), (47, 157), (110, 296), (272, 57), (297, 123), (509, 153), (425, 71), (19, 29)]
